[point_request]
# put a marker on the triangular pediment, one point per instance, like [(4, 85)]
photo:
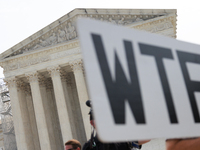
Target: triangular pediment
[(64, 29)]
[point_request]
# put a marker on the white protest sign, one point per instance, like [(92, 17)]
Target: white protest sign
[(142, 85)]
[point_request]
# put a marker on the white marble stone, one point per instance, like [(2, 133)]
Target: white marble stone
[(32, 118), (42, 127), (19, 125), (61, 103), (82, 92)]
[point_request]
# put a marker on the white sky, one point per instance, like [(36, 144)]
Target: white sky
[(21, 18)]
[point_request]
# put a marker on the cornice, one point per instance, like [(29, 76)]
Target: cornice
[(64, 29), (158, 24), (44, 55)]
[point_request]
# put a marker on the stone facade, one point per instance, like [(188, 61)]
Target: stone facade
[(46, 81)]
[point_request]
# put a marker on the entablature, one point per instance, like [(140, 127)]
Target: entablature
[(15, 64)]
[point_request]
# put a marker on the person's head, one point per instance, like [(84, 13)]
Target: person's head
[(73, 145)]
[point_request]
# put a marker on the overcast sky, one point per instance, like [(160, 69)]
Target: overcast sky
[(22, 18)]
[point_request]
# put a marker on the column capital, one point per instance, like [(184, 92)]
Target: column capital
[(32, 76), (76, 65), (11, 82), (21, 85), (54, 70)]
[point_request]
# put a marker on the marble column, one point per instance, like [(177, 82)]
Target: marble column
[(48, 111), (25, 114), (75, 105), (77, 68), (17, 114), (32, 117), (69, 103), (54, 115), (39, 111), (60, 103)]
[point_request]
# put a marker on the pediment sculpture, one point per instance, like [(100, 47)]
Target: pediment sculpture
[(65, 30)]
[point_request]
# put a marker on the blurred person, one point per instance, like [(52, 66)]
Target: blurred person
[(73, 145), (95, 144)]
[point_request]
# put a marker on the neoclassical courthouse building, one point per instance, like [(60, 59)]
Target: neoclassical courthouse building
[(46, 79)]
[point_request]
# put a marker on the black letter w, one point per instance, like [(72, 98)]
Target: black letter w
[(120, 90)]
